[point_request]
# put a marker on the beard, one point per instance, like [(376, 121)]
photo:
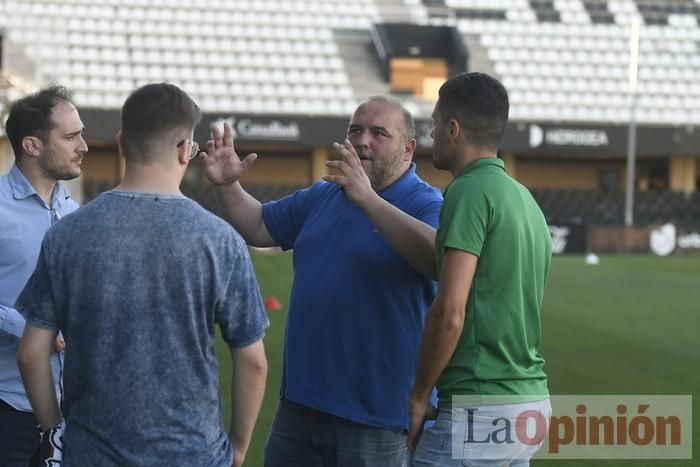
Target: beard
[(440, 158), (56, 169), (380, 170), (440, 163)]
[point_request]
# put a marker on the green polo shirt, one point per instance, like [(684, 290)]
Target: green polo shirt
[(490, 215)]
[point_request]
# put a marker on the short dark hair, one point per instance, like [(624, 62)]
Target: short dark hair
[(479, 103), (409, 125), (150, 113), (32, 115)]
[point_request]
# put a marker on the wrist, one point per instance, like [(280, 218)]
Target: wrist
[(417, 398), (371, 202), (226, 184)]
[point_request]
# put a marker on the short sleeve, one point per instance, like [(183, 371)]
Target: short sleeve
[(37, 301), (465, 218), (240, 312), (429, 211), (285, 217)]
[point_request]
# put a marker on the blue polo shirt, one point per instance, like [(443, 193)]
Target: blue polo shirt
[(357, 308), (24, 219)]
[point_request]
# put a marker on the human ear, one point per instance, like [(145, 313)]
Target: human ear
[(454, 129), (410, 148), (183, 152), (32, 146)]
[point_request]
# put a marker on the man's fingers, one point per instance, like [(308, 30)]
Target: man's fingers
[(215, 132), (337, 179), (339, 165), (228, 135), (216, 136), (347, 152), (352, 153), (431, 412), (249, 159), (209, 152), (412, 439), (59, 345)]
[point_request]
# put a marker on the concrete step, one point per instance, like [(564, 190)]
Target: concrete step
[(361, 62)]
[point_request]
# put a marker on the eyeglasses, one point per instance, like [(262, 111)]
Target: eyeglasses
[(194, 150)]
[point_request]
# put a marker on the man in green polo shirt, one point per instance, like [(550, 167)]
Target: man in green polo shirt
[(492, 256), (493, 251)]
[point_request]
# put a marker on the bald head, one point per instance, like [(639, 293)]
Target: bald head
[(408, 126), (382, 132)]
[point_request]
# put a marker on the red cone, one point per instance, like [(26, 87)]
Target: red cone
[(272, 304)]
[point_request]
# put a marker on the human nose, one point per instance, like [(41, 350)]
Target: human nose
[(361, 139), (83, 146)]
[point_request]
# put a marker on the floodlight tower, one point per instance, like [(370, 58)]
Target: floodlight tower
[(632, 128)]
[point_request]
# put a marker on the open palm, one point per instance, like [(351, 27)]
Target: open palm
[(221, 164)]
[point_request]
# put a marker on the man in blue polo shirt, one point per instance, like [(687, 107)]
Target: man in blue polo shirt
[(493, 253), (357, 306)]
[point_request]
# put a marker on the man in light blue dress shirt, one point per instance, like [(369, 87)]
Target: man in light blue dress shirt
[(45, 132)]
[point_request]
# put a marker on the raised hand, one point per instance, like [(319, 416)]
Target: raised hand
[(221, 163), (353, 178)]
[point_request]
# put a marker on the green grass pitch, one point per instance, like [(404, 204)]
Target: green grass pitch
[(630, 325)]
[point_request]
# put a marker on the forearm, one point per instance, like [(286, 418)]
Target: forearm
[(40, 388), (411, 238), (244, 213), (247, 392), (443, 328)]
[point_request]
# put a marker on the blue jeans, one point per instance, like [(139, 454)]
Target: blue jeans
[(465, 436), (305, 437), (19, 436)]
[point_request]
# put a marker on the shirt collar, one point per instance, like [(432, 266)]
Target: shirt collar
[(398, 189), (482, 162), (22, 189)]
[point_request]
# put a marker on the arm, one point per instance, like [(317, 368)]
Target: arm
[(247, 392), (223, 168), (11, 328), (443, 328), (411, 238), (33, 361), (244, 213)]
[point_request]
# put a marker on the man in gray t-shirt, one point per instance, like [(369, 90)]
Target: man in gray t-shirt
[(137, 280)]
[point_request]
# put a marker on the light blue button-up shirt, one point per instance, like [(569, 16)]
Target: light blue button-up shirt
[(24, 219)]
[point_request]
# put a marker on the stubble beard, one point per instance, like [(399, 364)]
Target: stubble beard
[(65, 171)]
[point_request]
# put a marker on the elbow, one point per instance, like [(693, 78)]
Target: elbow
[(257, 371), (26, 360), (259, 366), (255, 364), (451, 320), (22, 361)]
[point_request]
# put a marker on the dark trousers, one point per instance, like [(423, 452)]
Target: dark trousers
[(305, 437), (19, 436)]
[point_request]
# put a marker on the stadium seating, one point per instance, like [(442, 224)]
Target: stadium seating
[(562, 60), (249, 58), (600, 208), (568, 60)]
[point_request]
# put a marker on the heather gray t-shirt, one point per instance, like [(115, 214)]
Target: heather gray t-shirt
[(136, 282)]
